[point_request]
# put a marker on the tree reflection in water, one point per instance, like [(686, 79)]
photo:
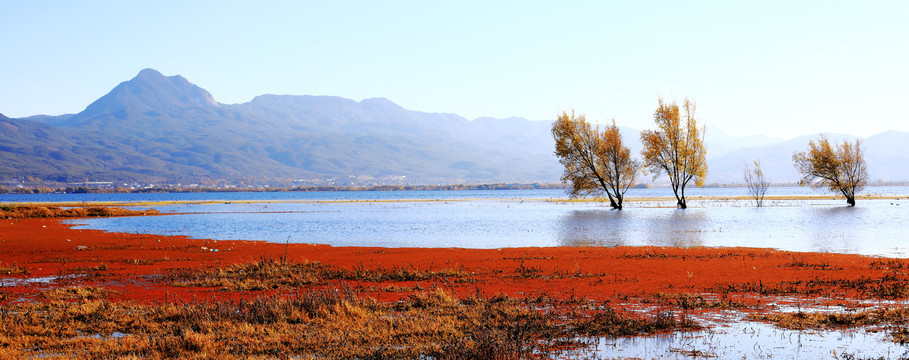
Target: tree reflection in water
[(600, 227)]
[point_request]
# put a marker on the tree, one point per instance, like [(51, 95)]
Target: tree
[(595, 162), (676, 148), (840, 170), (756, 182)]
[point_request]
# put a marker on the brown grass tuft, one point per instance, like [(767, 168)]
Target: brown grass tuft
[(686, 301), (11, 270), (76, 293), (895, 318), (268, 274), (610, 322), (23, 212)]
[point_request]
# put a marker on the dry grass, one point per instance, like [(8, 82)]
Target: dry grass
[(257, 275), (801, 263), (330, 321), (686, 301), (268, 274), (331, 324), (886, 287), (529, 272), (405, 273), (11, 270), (22, 212), (652, 254), (833, 320), (894, 318), (76, 293)]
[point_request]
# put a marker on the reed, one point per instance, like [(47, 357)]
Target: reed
[(268, 273), (335, 323)]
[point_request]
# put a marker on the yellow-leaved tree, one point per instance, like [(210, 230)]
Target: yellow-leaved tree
[(676, 147), (840, 170), (595, 163)]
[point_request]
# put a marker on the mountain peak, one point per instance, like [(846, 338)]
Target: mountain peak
[(378, 101), (148, 91), (149, 73)]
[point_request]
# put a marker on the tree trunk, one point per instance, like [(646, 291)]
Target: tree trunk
[(614, 205), (850, 200), (682, 204)]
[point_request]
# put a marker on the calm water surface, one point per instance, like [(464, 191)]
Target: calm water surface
[(494, 219), (752, 340)]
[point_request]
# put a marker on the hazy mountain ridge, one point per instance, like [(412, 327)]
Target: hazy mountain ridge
[(166, 129), (886, 155)]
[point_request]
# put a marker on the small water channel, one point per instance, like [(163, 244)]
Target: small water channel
[(752, 340)]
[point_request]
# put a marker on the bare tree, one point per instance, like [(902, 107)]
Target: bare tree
[(757, 182)]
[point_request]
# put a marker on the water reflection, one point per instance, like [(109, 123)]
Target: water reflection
[(823, 237), (656, 227), (874, 228), (680, 228), (598, 227)]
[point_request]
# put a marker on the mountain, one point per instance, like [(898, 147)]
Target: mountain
[(48, 119), (719, 143), (166, 129), (885, 155)]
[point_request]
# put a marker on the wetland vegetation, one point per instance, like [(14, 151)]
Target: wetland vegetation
[(67, 293)]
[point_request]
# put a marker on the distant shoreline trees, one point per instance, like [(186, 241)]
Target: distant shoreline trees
[(841, 169), (594, 162), (676, 148)]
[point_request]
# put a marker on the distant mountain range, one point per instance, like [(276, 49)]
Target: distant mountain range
[(165, 129), (160, 129), (886, 155)]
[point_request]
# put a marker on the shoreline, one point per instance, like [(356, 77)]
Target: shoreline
[(649, 199)]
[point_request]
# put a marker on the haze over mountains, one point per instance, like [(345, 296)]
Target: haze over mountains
[(161, 129), (165, 129)]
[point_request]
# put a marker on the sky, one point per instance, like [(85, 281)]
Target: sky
[(778, 68)]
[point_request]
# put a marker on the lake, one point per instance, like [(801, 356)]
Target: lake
[(519, 218)]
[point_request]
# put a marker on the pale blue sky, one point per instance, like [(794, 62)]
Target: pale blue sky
[(780, 68)]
